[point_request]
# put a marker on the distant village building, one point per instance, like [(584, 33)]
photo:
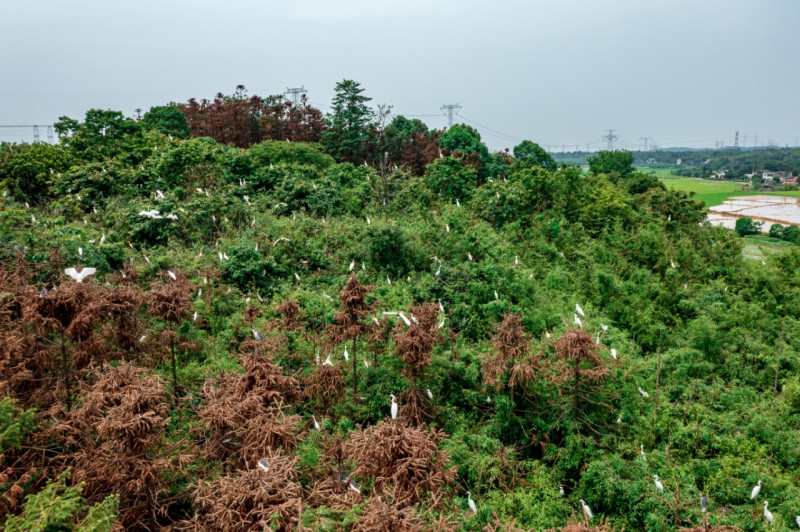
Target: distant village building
[(650, 160), (791, 180), (678, 162), (769, 175)]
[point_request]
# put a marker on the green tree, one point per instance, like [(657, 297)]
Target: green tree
[(104, 133), (776, 231), (528, 154), (167, 119), (451, 178), (352, 123), (617, 163), (58, 507), (747, 226), (29, 170), (465, 139)]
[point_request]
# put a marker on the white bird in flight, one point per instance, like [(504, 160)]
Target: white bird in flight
[(404, 318), (154, 214), (79, 276)]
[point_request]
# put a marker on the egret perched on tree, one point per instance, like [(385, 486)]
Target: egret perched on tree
[(195, 316), (79, 276), (644, 393), (346, 354), (604, 326), (316, 424), (257, 335), (43, 292), (263, 464), (767, 513), (586, 509), (394, 406), (366, 363), (328, 361), (641, 453), (80, 251), (579, 310), (659, 485), (797, 520), (577, 320), (159, 194), (441, 324), (561, 490), (471, 503), (495, 295), (619, 418), (756, 491), (430, 394), (703, 502), (613, 353), (352, 265), (172, 275)]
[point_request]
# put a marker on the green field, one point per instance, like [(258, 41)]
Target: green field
[(715, 192)]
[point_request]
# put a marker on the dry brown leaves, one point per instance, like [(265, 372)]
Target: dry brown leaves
[(170, 300), (577, 349), (575, 525), (511, 344), (415, 343), (404, 462)]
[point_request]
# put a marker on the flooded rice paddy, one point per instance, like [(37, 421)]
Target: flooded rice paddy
[(768, 209)]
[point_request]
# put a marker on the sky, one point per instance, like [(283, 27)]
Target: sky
[(560, 73)]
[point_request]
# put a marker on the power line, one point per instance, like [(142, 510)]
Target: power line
[(295, 93), (611, 137)]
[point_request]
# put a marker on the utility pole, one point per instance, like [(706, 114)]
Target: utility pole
[(450, 108), (295, 94), (736, 140), (611, 137)]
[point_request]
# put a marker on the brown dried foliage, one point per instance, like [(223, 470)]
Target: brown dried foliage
[(290, 322), (577, 353), (244, 414), (247, 500), (324, 384), (511, 344), (403, 462), (575, 525), (170, 300), (114, 440), (379, 516), (415, 343)]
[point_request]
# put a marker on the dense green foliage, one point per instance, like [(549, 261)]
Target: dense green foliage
[(712, 337)]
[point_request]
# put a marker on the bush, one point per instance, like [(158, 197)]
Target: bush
[(747, 226), (451, 178)]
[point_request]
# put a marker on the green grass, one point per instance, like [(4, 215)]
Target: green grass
[(661, 173), (759, 246), (711, 192)]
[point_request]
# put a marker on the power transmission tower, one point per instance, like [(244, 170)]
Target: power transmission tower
[(50, 138), (611, 137), (295, 94), (449, 108), (744, 141), (36, 134), (736, 140)]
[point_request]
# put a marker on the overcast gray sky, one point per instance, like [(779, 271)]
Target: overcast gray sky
[(684, 72)]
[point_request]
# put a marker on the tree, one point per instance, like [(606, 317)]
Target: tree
[(351, 322), (747, 226), (167, 119), (776, 231), (104, 133), (452, 178), (352, 123), (528, 154), (466, 141), (617, 163)]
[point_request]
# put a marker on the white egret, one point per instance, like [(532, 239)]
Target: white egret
[(263, 464), (619, 418), (142, 339), (225, 256), (586, 509), (172, 275), (346, 354), (659, 485), (352, 265), (441, 307), (495, 295), (369, 222), (404, 318), (671, 263), (756, 491), (172, 216), (366, 363), (516, 260), (159, 194), (703, 503), (102, 239), (219, 253), (328, 361), (458, 203), (257, 335), (441, 324), (247, 301), (469, 256), (33, 219), (388, 280), (767, 513), (447, 227), (577, 320), (195, 316), (146, 259), (154, 214), (613, 353), (471, 503), (579, 310), (597, 339), (430, 394), (394, 406), (80, 251), (604, 326), (488, 400), (641, 453), (797, 520), (79, 276), (316, 424), (644, 393), (547, 334), (296, 276), (561, 490)]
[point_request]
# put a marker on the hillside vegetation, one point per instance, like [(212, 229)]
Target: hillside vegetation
[(258, 300)]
